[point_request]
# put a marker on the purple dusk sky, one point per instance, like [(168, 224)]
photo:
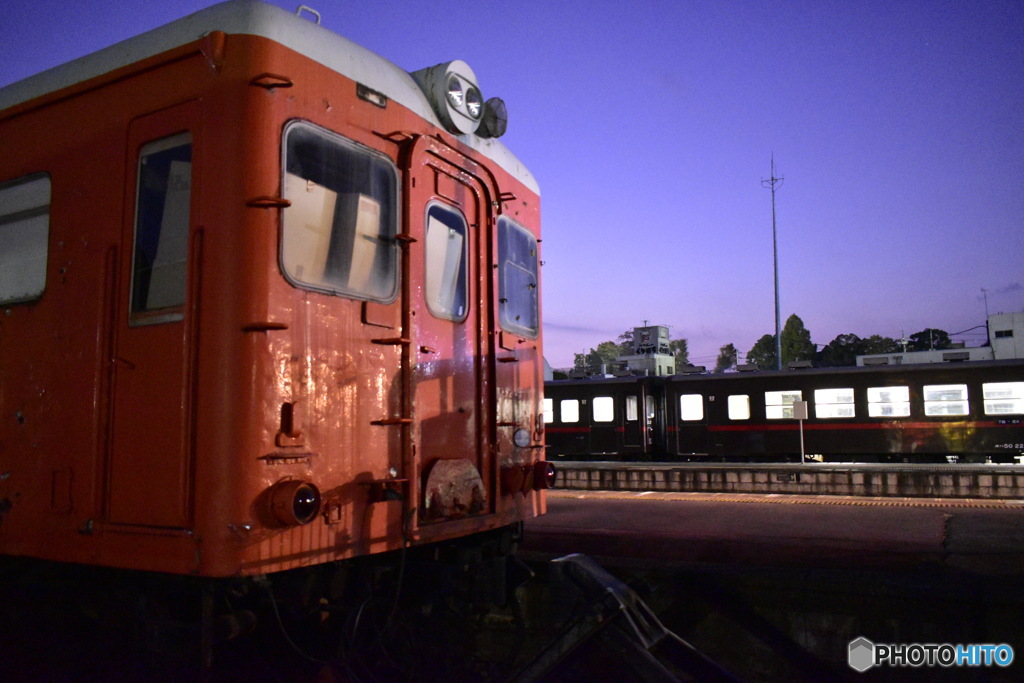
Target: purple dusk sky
[(898, 126)]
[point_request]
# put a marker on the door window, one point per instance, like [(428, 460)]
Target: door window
[(446, 251), (161, 228)]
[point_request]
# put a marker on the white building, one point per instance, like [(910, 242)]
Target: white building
[(1005, 341)]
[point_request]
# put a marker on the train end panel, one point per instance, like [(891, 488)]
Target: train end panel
[(228, 397)]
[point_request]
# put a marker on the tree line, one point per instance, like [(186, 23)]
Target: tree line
[(795, 342)]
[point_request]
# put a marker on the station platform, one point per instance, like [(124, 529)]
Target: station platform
[(777, 587), (622, 528), (811, 478)]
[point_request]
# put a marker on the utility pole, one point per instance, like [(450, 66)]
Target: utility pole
[(770, 183)]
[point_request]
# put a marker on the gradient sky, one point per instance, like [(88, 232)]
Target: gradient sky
[(897, 125)]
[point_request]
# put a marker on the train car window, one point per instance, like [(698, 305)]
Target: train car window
[(604, 409), (889, 401), (691, 407), (161, 227), (833, 403), (739, 407), (778, 405), (946, 399), (549, 410), (24, 237), (338, 234), (446, 254), (1003, 398), (632, 408), (517, 279), (569, 410)]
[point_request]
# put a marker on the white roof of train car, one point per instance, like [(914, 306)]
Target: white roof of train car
[(251, 17)]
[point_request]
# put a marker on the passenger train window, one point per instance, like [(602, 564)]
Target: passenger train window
[(569, 410), (691, 407), (517, 279), (161, 227), (24, 237), (889, 402), (338, 234), (739, 407), (604, 409), (549, 410), (946, 399), (632, 408), (446, 251), (833, 403), (778, 405), (1003, 398)]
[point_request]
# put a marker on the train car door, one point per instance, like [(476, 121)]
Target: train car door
[(149, 473), (605, 423), (691, 419), (451, 357)]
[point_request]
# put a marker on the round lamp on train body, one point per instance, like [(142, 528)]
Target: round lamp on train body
[(454, 95), (295, 502), (495, 120)]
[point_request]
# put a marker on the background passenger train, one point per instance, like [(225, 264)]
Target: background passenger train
[(968, 411)]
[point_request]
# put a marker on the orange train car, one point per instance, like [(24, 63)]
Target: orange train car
[(267, 301)]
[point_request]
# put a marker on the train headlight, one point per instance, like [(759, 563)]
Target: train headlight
[(453, 93), (521, 438), (295, 502)]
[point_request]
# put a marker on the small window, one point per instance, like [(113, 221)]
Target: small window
[(569, 409), (833, 403), (691, 407), (24, 238), (549, 411), (446, 251), (739, 407), (517, 279), (946, 399), (338, 234), (161, 227), (632, 408), (1004, 334), (604, 409), (778, 405), (1003, 398), (889, 401)]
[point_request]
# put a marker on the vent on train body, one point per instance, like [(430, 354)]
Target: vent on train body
[(455, 97)]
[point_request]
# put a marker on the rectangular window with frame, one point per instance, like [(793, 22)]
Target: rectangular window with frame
[(945, 399), (1003, 398), (519, 304), (778, 405), (162, 210), (338, 233), (24, 237), (834, 403), (889, 401), (549, 410)]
